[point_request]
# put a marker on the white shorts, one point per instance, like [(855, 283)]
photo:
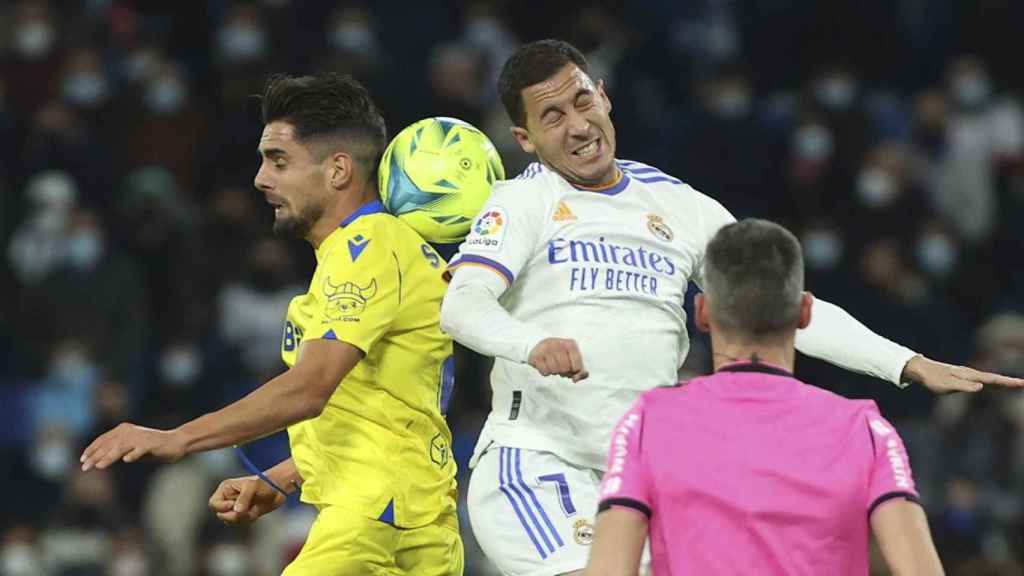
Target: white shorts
[(531, 512)]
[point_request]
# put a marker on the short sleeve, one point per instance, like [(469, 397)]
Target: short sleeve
[(625, 479), (358, 292), (713, 216), (891, 476), (504, 236)]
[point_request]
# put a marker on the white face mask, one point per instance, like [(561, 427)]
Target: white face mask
[(71, 367), (836, 93), (227, 560), (166, 96), (732, 104), (822, 249), (242, 42), (971, 90), (813, 142), (34, 40), (875, 188), (937, 254), (353, 37), (85, 89), (84, 249), (52, 459), (19, 559), (132, 563), (180, 367)]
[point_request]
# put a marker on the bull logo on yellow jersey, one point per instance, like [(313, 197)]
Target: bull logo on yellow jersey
[(346, 301)]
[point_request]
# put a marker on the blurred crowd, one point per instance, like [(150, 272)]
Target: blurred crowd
[(140, 280)]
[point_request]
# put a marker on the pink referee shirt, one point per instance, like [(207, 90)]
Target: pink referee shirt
[(750, 471)]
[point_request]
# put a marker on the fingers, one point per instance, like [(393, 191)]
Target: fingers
[(244, 500), (954, 383), (994, 379), (223, 498), (559, 356)]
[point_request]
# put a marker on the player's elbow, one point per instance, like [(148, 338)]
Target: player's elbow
[(449, 316), (311, 405)]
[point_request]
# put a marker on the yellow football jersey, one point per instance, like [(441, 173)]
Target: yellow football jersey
[(381, 447)]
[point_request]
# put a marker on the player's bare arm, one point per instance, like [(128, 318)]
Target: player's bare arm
[(618, 542), (296, 395), (901, 530), (243, 500)]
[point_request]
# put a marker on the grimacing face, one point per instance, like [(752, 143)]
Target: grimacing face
[(291, 179), (569, 128)]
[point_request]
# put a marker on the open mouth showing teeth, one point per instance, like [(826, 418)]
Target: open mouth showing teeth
[(587, 150)]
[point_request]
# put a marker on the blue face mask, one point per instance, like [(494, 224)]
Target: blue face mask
[(242, 43), (84, 249), (822, 249), (937, 255), (85, 89)]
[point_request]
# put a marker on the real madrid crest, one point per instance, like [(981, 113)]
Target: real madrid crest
[(658, 227), (583, 532)]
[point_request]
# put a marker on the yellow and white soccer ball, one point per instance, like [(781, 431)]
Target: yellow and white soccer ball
[(436, 175)]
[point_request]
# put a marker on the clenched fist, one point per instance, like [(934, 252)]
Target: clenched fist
[(558, 356)]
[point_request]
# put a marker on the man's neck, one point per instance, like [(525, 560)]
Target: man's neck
[(723, 352), (344, 204)]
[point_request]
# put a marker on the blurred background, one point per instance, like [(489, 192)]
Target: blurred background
[(140, 280)]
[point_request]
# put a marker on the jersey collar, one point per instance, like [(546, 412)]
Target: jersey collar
[(618, 185), (371, 207), (755, 367)]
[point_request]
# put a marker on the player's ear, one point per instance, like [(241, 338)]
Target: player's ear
[(700, 313), (806, 303), (523, 138), (339, 167)]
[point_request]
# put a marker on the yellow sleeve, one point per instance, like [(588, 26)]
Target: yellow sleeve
[(359, 293)]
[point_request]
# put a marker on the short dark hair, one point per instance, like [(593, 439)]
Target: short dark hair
[(754, 277), (329, 107), (531, 64)]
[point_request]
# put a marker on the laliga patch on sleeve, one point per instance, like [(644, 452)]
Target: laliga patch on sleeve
[(488, 230)]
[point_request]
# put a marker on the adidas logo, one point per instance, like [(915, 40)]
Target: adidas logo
[(563, 214)]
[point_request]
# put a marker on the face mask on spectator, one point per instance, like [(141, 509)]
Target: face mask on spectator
[(242, 42), (131, 563), (813, 142), (52, 458), (822, 249), (732, 104), (971, 90), (353, 37), (85, 89), (227, 560), (139, 65), (484, 31), (836, 93), (937, 254), (19, 559), (71, 366), (84, 249), (180, 366), (165, 96), (875, 188), (34, 40)]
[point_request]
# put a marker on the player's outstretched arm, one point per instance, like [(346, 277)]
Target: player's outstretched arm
[(243, 500), (618, 542), (837, 337), (901, 530), (298, 394)]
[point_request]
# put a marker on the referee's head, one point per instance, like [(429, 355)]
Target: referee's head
[(754, 283)]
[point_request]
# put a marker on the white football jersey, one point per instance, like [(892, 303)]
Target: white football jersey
[(606, 268)]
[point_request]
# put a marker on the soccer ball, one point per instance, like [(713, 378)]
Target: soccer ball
[(436, 174)]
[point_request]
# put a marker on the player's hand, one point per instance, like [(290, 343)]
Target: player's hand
[(941, 378), (128, 442), (558, 356), (243, 500)]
